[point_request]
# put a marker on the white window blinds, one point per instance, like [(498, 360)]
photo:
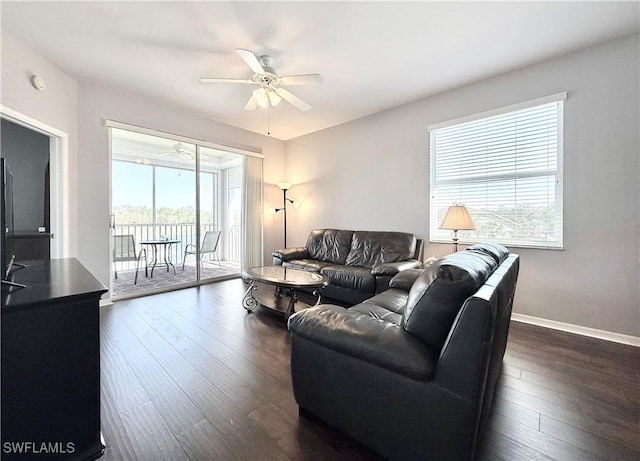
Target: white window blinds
[(506, 168)]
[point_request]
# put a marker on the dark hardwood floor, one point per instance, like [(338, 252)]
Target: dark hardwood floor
[(190, 375)]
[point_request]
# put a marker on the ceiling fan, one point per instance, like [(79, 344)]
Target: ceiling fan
[(271, 90), (180, 150)]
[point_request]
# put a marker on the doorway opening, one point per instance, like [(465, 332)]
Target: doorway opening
[(43, 222)]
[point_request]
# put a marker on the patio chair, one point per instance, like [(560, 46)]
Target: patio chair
[(124, 249), (209, 246)]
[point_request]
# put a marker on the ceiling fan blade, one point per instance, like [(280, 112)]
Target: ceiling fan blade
[(182, 149), (296, 101), (226, 80), (251, 104), (305, 79), (252, 61), (173, 154)]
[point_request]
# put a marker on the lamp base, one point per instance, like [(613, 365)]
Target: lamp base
[(454, 244)]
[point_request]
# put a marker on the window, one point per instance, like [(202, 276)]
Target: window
[(505, 166)]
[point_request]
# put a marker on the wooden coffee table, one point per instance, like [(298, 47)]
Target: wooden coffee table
[(287, 282)]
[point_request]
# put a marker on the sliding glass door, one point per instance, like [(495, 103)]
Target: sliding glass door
[(219, 219), (175, 213)]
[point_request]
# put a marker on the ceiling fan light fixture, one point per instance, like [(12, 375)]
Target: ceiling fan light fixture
[(260, 95), (274, 98), (264, 97)]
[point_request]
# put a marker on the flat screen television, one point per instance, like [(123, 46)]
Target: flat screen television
[(7, 224)]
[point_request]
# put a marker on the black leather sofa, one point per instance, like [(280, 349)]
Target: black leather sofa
[(411, 372), (359, 264)]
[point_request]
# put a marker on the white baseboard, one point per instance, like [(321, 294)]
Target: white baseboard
[(578, 330)]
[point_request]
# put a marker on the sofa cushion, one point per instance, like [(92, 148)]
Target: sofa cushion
[(393, 300), (495, 250), (312, 265), (404, 279), (438, 294), (377, 312), (331, 245), (370, 248), (358, 335), (358, 278)]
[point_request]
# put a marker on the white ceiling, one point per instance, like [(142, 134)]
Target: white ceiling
[(372, 55)]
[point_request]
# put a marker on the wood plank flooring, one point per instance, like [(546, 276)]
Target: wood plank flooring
[(190, 375)]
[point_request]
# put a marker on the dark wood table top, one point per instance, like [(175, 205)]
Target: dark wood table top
[(62, 278), (285, 276)]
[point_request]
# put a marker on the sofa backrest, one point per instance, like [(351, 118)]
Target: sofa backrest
[(332, 245), (495, 250), (372, 248), (438, 294)]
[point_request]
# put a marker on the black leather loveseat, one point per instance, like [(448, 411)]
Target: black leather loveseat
[(411, 372), (359, 264)]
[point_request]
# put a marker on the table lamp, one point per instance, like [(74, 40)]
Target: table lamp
[(457, 218)]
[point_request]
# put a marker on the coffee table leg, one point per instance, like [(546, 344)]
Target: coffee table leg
[(248, 301), (319, 295), (293, 298)]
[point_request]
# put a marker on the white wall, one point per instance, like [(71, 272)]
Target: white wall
[(98, 102), (373, 174), (78, 111), (56, 107)]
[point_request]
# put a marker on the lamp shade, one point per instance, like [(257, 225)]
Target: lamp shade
[(457, 218)]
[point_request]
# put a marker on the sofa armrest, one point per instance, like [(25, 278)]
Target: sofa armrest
[(378, 342), (391, 269), (463, 363), (404, 280), (287, 254)]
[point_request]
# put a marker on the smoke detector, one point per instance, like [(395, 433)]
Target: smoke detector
[(38, 82)]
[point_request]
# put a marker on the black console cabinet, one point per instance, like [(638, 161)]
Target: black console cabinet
[(51, 363)]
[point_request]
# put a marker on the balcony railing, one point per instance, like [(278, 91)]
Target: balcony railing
[(185, 233)]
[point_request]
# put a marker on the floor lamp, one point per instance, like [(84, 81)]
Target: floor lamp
[(457, 218), (285, 186)]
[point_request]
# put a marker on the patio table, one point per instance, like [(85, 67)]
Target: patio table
[(163, 247)]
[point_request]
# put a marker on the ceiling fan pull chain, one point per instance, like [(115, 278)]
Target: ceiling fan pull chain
[(268, 120)]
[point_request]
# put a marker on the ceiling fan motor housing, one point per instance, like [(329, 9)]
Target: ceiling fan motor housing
[(267, 64)]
